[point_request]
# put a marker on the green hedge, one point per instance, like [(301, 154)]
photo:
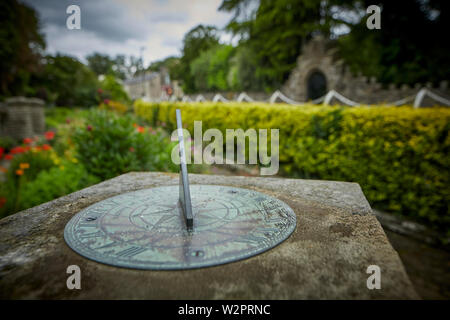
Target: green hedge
[(399, 155)]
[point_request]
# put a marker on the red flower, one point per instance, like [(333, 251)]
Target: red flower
[(131, 149), (100, 90), (49, 135), (141, 129), (106, 101), (67, 120), (46, 147), (27, 140), (17, 150), (89, 127), (2, 201), (1, 152), (9, 157)]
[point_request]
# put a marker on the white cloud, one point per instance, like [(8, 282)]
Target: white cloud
[(123, 27)]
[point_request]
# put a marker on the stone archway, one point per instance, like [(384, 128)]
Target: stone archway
[(316, 85)]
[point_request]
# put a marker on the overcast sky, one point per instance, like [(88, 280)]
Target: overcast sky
[(124, 26)]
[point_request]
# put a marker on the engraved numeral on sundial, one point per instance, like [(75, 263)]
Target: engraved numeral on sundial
[(91, 235), (87, 224), (252, 239), (109, 245), (130, 252)]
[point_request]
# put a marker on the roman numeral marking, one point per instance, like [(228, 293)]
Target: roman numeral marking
[(91, 235), (130, 252), (87, 225)]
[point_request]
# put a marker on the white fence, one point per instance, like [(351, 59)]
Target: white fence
[(326, 99)]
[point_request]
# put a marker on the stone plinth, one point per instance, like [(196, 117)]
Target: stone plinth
[(22, 117), (336, 239)]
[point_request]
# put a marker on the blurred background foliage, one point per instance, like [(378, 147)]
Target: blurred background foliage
[(268, 36)]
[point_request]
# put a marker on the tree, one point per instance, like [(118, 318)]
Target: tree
[(66, 81), (408, 48), (211, 69), (197, 40), (276, 31), (120, 67), (101, 64), (199, 71), (171, 64), (113, 89), (219, 67), (21, 47), (242, 74)]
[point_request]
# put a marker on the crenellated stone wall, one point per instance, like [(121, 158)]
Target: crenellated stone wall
[(319, 55)]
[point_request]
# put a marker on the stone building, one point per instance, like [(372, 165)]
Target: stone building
[(319, 70), (152, 86)]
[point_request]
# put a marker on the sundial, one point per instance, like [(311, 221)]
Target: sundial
[(180, 227)]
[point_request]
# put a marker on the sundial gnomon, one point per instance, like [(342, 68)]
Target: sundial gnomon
[(180, 227)]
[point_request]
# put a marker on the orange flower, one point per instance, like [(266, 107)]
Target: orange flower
[(141, 129), (38, 148), (24, 165), (4, 170), (46, 147), (27, 140), (19, 172)]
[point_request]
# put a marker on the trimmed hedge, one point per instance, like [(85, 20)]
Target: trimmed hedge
[(399, 155)]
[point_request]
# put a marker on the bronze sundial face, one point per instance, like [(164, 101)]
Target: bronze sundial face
[(145, 229), (180, 227)]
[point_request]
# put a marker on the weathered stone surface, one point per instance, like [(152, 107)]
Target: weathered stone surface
[(336, 239)]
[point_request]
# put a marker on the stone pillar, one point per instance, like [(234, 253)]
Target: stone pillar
[(18, 124), (23, 117), (37, 115)]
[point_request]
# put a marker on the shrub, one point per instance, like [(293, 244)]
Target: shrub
[(37, 159), (399, 155), (113, 106), (54, 183), (112, 89), (26, 162), (56, 116), (7, 143), (112, 144)]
